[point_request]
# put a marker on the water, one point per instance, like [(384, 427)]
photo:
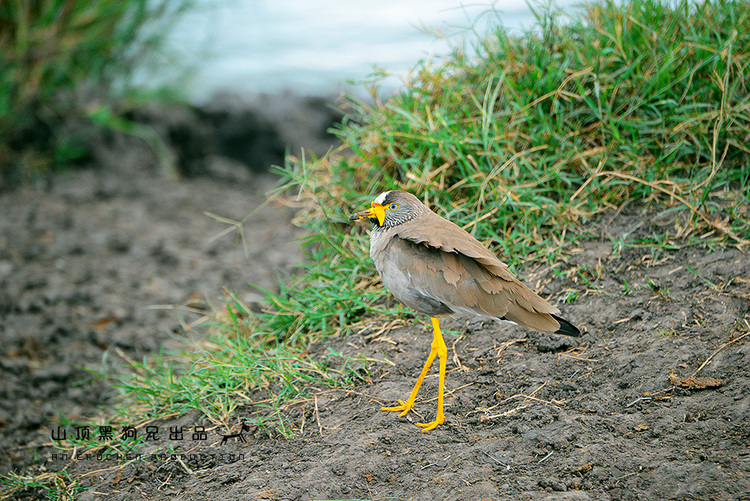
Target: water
[(315, 46)]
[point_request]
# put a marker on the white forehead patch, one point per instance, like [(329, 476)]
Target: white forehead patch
[(381, 197)]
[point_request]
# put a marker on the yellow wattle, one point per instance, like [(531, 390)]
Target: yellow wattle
[(378, 211)]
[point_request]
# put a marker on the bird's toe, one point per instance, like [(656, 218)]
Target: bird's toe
[(403, 408)]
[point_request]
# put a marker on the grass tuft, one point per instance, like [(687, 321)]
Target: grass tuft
[(241, 362), (54, 486)]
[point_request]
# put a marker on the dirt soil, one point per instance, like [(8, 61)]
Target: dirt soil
[(652, 402)]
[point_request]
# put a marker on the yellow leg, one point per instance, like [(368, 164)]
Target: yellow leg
[(437, 348)]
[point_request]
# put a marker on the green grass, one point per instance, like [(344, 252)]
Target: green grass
[(66, 65), (241, 362), (53, 486), (523, 143)]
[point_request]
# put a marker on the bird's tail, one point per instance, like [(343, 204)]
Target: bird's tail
[(566, 327)]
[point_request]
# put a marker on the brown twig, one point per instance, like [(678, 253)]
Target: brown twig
[(456, 360), (317, 416), (508, 343), (717, 350)]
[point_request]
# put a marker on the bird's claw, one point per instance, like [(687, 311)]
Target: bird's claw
[(403, 408), (430, 426)]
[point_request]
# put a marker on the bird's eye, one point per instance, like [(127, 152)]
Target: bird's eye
[(393, 207)]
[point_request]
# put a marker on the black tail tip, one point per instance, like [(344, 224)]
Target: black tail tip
[(566, 327)]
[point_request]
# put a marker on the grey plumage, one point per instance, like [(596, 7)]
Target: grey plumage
[(434, 266)]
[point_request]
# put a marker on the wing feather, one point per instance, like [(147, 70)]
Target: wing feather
[(439, 233), (465, 285), (434, 232)]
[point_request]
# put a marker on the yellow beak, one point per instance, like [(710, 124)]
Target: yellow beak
[(377, 212)]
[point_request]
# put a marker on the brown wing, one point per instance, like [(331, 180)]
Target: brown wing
[(467, 285), (439, 233)]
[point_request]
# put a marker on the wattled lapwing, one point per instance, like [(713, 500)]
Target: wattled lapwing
[(432, 265)]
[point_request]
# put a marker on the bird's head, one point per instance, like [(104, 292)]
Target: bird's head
[(391, 208)]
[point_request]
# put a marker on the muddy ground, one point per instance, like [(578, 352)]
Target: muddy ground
[(103, 263)]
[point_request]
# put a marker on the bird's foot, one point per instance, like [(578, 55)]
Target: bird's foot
[(440, 419), (403, 408)]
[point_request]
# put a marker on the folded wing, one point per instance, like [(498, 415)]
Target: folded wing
[(446, 264)]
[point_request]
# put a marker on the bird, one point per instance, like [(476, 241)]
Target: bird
[(435, 267)]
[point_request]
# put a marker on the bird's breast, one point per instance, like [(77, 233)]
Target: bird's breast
[(394, 278), (399, 279)]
